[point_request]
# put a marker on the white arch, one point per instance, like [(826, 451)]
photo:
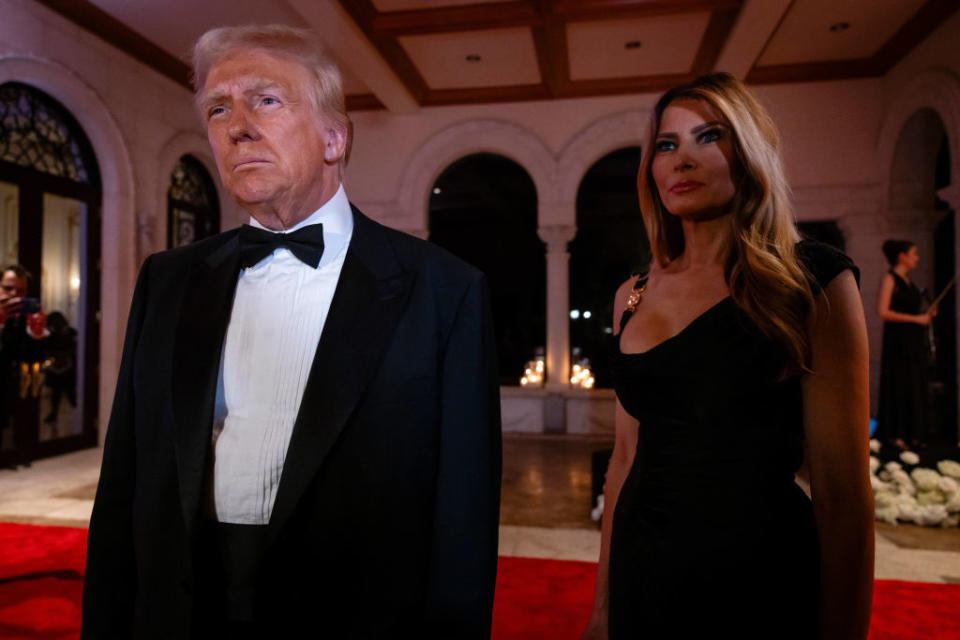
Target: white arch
[(597, 139), (178, 145), (469, 137), (937, 89), (118, 261)]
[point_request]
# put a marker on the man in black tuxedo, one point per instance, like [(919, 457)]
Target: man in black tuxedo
[(305, 438)]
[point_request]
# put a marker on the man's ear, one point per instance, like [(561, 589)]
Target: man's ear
[(335, 145)]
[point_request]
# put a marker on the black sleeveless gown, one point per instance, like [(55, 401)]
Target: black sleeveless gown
[(711, 536), (904, 387)]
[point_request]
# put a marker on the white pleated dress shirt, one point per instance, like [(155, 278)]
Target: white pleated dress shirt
[(279, 310)]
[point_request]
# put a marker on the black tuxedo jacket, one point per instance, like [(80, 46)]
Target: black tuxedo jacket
[(385, 520)]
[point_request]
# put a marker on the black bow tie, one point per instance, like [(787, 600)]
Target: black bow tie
[(257, 244)]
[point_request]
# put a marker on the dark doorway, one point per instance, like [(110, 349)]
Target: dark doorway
[(483, 209), (611, 244), (193, 212), (825, 231), (943, 427), (49, 224)]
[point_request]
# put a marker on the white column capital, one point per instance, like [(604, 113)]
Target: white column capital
[(557, 237)]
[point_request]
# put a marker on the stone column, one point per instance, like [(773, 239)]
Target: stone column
[(558, 304)]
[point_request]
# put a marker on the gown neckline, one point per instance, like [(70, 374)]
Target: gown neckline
[(708, 311)]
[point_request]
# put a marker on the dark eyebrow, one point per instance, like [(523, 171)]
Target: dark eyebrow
[(706, 125), (697, 129)]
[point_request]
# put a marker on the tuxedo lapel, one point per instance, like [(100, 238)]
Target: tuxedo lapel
[(196, 365), (370, 297)]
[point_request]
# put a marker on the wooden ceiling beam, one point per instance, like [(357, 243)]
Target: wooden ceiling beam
[(363, 102), (475, 17), (364, 14), (550, 40), (813, 71), (91, 18), (756, 23), (510, 93), (714, 38), (914, 31), (592, 10), (615, 86)]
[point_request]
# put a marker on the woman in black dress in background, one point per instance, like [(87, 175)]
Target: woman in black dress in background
[(740, 350), (902, 417)]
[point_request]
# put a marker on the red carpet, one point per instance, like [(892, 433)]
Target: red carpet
[(41, 578)]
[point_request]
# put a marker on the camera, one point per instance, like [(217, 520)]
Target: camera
[(29, 305)]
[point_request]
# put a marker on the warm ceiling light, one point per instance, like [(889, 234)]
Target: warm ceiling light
[(473, 57), (633, 44), (837, 27)]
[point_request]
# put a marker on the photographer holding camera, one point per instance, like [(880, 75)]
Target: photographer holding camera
[(22, 325)]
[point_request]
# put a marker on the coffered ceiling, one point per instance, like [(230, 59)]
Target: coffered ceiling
[(405, 54)]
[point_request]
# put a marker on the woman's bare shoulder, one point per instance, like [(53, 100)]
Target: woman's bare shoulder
[(620, 300)]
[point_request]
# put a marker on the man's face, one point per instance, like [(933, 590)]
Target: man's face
[(276, 156), (12, 286)]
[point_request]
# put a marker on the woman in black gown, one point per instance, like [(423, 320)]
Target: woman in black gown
[(902, 417), (739, 352)]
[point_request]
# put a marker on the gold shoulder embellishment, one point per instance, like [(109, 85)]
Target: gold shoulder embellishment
[(636, 295)]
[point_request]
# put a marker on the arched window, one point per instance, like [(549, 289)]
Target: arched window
[(38, 133), (610, 245), (483, 209), (50, 224), (192, 207)]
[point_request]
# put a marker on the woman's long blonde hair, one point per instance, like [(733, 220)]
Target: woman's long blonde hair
[(765, 277)]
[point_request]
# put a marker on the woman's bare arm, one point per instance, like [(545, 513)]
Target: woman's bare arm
[(889, 315), (835, 417), (624, 448)]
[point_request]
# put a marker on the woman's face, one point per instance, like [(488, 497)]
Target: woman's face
[(909, 258), (693, 160)]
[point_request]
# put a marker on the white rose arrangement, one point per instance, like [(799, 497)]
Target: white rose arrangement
[(949, 468), (909, 457), (927, 497)]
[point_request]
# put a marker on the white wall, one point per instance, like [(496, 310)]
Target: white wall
[(829, 132)]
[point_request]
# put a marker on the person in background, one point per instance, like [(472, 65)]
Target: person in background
[(60, 363), (742, 349), (904, 387), (18, 342), (18, 339)]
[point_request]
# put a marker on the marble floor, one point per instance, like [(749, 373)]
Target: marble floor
[(545, 509)]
